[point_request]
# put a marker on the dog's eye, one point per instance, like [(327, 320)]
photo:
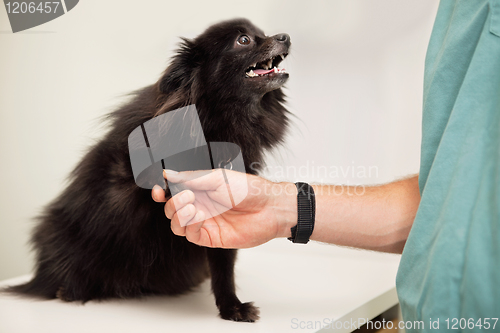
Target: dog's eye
[(244, 40)]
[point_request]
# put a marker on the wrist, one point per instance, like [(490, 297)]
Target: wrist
[(285, 208)]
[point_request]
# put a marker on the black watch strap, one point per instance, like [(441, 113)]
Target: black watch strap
[(306, 209)]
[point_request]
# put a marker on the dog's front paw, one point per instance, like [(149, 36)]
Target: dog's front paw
[(240, 312)]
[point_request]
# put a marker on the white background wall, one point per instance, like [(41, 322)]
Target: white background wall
[(356, 71)]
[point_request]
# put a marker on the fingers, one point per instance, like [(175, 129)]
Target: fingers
[(178, 201), (193, 233), (192, 217), (158, 194), (203, 180), (187, 221), (181, 218), (205, 233), (176, 226)]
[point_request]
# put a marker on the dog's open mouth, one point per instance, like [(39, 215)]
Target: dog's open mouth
[(267, 67)]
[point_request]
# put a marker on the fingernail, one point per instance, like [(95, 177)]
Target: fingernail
[(200, 216), (156, 187), (184, 198), (169, 172), (186, 211)]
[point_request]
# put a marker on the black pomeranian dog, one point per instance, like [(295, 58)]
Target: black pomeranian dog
[(104, 236)]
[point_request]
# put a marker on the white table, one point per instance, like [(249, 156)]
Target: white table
[(295, 286)]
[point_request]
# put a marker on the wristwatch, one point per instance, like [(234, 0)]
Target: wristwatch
[(306, 213)]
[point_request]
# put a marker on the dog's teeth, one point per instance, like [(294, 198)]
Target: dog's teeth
[(253, 65), (251, 73), (270, 63), (282, 57)]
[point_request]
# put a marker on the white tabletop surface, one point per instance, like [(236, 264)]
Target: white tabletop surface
[(298, 288)]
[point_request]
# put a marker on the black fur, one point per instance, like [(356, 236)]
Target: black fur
[(105, 237)]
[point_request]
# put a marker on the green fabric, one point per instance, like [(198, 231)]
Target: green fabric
[(450, 266)]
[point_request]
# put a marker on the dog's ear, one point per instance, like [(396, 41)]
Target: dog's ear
[(180, 72)]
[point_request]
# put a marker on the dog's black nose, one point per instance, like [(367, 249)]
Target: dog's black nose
[(282, 38)]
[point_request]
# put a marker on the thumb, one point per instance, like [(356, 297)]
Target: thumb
[(203, 180)]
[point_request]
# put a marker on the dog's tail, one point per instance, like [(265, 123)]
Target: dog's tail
[(36, 287)]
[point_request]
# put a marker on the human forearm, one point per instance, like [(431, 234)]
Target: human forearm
[(376, 218)]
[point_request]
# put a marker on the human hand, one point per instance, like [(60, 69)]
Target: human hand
[(204, 213)]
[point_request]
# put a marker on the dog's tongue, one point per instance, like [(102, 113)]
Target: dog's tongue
[(263, 71)]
